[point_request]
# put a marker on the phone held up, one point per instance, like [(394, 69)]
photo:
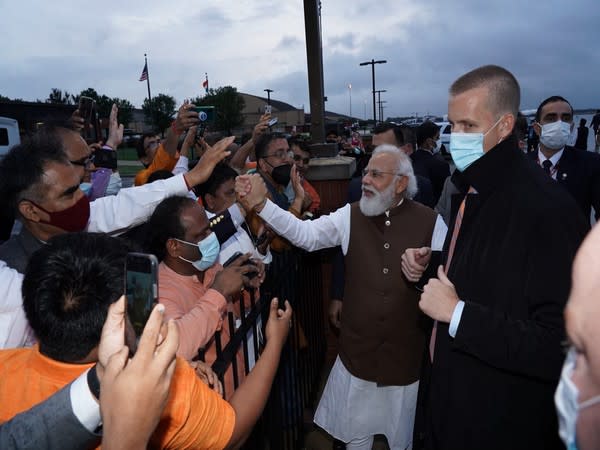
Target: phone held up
[(141, 288), (206, 116), (86, 107)]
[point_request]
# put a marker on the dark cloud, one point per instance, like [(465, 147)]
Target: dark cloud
[(288, 42)]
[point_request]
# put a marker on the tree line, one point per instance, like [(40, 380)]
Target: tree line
[(159, 112)]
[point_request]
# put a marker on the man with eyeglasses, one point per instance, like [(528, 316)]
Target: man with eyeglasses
[(302, 160), (42, 186), (372, 388)]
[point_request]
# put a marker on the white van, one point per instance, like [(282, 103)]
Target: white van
[(9, 135)]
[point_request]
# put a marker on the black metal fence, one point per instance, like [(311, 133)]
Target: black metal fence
[(295, 276)]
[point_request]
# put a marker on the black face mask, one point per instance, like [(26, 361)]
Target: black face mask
[(282, 174)]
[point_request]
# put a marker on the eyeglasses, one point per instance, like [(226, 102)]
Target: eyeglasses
[(281, 154), (299, 158), (84, 162), (377, 174)]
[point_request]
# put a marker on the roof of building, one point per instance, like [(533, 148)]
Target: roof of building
[(276, 104)]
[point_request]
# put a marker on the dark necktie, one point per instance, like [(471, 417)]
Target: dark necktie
[(547, 165)]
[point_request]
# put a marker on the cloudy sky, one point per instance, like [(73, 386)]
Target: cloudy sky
[(553, 47)]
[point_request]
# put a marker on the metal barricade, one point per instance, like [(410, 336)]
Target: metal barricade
[(294, 275)]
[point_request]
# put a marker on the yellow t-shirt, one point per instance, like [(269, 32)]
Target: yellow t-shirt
[(194, 417)]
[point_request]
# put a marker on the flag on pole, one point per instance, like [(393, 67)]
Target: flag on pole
[(205, 83), (144, 75)]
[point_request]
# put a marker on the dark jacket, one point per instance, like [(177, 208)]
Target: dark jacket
[(433, 168), (492, 386), (579, 173)]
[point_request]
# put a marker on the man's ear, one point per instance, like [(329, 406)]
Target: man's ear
[(507, 124), (173, 248), (537, 128), (401, 184), (210, 202), (29, 211)]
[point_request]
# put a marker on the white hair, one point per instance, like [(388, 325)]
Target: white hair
[(404, 167)]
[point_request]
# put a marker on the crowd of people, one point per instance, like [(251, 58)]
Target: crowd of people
[(453, 292)]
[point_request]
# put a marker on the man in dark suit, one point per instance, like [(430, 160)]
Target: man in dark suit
[(578, 171), (495, 355), (425, 161)]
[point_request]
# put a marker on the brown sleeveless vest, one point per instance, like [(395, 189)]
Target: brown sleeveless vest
[(382, 336)]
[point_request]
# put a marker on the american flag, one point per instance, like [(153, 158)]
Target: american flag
[(144, 75)]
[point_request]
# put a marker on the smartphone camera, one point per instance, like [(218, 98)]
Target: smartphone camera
[(267, 109)]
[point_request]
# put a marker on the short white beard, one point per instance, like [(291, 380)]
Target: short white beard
[(380, 203)]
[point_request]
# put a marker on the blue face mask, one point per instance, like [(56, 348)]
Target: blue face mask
[(209, 250), (466, 148), (86, 188)]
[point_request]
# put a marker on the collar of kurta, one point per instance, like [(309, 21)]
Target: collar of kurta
[(491, 169)]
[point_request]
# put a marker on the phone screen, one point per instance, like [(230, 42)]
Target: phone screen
[(141, 288)]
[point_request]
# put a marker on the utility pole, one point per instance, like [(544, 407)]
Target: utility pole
[(314, 56), (379, 102), (372, 64), (268, 91)]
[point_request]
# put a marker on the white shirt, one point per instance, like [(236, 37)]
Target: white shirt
[(327, 231), (113, 214)]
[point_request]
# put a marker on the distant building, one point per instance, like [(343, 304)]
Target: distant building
[(288, 116)]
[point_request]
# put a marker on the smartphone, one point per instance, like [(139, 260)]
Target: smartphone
[(105, 158), (206, 114), (86, 108), (141, 288), (273, 121), (268, 109)]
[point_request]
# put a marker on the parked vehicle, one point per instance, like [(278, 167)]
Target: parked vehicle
[(9, 135)]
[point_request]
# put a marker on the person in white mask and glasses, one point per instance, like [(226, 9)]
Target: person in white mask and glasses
[(578, 395), (578, 171)]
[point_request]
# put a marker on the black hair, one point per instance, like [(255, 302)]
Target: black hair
[(220, 174), (139, 147), (553, 99), (22, 169), (427, 130), (162, 174), (409, 135), (260, 147), (165, 224), (382, 127), (301, 144), (582, 122), (68, 286)]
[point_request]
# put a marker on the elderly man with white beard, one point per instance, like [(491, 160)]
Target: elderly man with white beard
[(372, 387)]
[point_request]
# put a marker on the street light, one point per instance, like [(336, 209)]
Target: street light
[(372, 64), (268, 91), (350, 94)]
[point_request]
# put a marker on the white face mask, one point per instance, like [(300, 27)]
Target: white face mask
[(566, 398), (555, 135)]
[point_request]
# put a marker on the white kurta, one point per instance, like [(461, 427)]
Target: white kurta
[(352, 408)]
